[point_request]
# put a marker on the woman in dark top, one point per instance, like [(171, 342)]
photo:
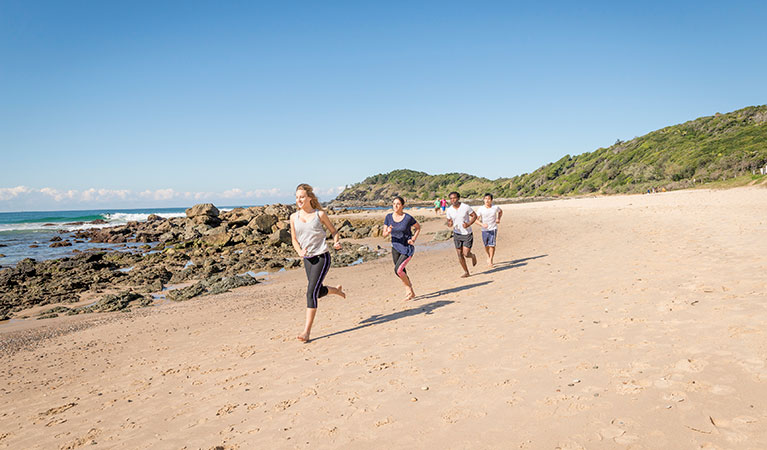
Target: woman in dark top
[(398, 224)]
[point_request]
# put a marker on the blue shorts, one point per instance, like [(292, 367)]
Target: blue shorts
[(488, 237)]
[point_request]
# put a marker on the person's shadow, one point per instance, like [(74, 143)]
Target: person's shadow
[(506, 265), (379, 319), (450, 291)]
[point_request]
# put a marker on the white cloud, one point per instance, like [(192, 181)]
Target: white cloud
[(25, 197), (160, 194), (100, 195), (164, 194), (258, 193), (329, 192), (9, 193), (58, 195), (233, 193)]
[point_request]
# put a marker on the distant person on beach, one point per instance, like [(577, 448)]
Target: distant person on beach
[(489, 217), (436, 206), (460, 216), (443, 205), (309, 240), (399, 225)]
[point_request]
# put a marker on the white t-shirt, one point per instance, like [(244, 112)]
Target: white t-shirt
[(459, 216), (489, 216)]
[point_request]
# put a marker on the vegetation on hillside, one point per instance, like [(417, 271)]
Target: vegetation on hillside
[(703, 150)]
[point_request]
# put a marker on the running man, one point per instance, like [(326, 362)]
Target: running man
[(436, 206), (460, 216), (489, 217)]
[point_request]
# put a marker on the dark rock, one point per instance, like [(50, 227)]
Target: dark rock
[(206, 220), (202, 209), (55, 239), (442, 235), (217, 239), (114, 302), (282, 212), (280, 237), (153, 218), (167, 237), (179, 295), (61, 244), (210, 286), (263, 223)]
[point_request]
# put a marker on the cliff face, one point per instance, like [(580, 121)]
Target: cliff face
[(679, 156)]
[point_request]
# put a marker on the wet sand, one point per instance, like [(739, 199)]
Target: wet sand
[(614, 322)]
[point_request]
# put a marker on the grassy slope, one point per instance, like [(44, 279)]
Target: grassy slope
[(705, 150)]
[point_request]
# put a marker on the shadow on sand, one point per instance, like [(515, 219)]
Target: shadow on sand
[(506, 265), (379, 319), (450, 291)]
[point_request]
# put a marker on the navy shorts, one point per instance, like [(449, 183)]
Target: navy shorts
[(488, 237)]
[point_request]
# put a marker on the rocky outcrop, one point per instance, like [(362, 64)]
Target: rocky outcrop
[(176, 250)]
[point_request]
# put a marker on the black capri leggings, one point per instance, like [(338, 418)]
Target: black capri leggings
[(400, 261), (316, 269)]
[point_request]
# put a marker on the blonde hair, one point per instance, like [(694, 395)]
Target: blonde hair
[(313, 200)]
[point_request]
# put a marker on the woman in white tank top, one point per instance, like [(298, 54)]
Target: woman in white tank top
[(309, 240)]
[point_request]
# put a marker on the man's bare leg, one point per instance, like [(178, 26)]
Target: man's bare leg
[(462, 260), (490, 255), (468, 254)]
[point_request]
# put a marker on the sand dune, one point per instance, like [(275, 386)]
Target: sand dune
[(614, 322)]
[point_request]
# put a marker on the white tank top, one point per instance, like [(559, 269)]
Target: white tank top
[(310, 235)]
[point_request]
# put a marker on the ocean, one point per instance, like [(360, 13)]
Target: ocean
[(29, 234)]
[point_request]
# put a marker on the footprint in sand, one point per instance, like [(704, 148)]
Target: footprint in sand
[(226, 409), (675, 397), (569, 445), (690, 365), (720, 389), (755, 366), (86, 439), (616, 432), (632, 386), (567, 405)]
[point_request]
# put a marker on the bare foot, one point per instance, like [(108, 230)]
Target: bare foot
[(465, 275), (473, 259), (303, 337), (410, 296), (341, 292)]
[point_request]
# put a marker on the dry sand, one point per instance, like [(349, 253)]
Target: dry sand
[(616, 322)]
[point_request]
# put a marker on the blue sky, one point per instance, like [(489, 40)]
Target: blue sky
[(139, 104)]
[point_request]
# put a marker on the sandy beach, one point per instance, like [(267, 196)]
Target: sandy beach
[(613, 322)]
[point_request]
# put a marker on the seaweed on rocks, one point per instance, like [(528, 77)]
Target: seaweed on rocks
[(113, 302), (211, 286)]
